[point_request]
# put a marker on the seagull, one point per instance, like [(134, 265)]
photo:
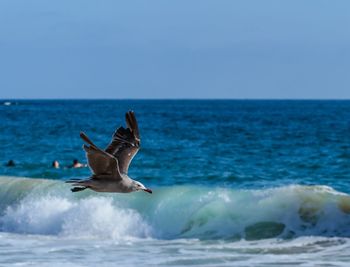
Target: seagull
[(109, 167)]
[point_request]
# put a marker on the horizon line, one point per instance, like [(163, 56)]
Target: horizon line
[(178, 99)]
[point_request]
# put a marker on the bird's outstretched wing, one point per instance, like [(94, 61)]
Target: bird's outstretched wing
[(125, 142), (102, 164)]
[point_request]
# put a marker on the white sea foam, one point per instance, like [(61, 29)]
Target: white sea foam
[(91, 217)]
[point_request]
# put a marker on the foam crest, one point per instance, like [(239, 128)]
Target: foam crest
[(98, 216), (41, 216), (91, 217)]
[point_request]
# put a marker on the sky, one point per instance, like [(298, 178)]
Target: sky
[(226, 49)]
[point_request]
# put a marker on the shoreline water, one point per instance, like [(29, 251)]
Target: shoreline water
[(42, 223)]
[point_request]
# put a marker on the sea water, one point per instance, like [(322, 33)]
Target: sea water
[(235, 183)]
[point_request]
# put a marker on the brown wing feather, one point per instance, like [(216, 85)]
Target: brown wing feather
[(132, 124), (101, 163), (125, 142)]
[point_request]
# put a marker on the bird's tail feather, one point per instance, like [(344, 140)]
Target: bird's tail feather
[(77, 189)]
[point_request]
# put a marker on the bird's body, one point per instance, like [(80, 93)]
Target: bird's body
[(106, 185), (110, 166)]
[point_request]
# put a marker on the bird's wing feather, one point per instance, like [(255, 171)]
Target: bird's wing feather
[(125, 143), (100, 162)]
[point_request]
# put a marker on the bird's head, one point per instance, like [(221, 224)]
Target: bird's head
[(137, 186)]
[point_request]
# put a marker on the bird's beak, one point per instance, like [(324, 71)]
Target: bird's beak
[(148, 190)]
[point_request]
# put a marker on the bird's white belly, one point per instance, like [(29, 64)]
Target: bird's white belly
[(108, 186)]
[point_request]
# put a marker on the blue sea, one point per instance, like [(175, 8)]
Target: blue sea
[(235, 183)]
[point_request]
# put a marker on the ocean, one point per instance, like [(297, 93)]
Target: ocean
[(235, 183)]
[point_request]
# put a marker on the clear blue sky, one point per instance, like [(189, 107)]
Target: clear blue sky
[(175, 49)]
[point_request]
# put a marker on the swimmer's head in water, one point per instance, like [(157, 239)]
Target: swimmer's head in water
[(10, 163)]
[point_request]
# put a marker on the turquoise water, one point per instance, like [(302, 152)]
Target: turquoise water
[(244, 183)]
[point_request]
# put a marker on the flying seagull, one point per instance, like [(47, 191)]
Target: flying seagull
[(109, 167)]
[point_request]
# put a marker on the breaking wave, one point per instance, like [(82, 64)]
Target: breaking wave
[(47, 207)]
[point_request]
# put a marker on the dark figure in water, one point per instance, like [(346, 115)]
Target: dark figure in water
[(55, 164), (10, 163), (77, 164)]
